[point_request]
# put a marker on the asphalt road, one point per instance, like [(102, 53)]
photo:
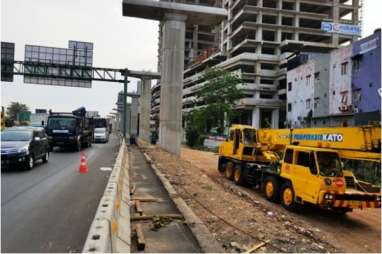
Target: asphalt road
[(50, 208)]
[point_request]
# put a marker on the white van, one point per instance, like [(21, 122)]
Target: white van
[(101, 135)]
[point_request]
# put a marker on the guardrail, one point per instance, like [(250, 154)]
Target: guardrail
[(110, 229)]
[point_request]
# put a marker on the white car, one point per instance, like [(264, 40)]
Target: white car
[(101, 135)]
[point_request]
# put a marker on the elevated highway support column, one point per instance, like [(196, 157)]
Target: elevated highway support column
[(173, 17), (145, 105), (170, 125)]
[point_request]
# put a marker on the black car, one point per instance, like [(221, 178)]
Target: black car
[(23, 146)]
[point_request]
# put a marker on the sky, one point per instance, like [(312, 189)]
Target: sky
[(119, 42)]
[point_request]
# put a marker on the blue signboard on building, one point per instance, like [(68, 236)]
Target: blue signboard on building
[(341, 28)]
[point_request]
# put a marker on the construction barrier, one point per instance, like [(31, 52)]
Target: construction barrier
[(110, 229)]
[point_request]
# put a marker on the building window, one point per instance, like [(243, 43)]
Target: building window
[(290, 86), (357, 95), (316, 101), (308, 79), (317, 75), (371, 84), (307, 103), (357, 63), (344, 97), (289, 107), (344, 67)]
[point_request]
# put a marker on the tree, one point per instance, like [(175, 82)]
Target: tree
[(14, 109), (219, 94)]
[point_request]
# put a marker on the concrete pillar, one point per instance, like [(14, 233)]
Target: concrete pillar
[(336, 17), (128, 119), (275, 118), (171, 83), (297, 5), (256, 118), (195, 41), (145, 106), (279, 4), (134, 116)]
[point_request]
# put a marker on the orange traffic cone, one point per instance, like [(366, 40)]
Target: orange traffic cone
[(83, 164)]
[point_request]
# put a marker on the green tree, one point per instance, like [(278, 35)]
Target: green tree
[(219, 94), (14, 109)]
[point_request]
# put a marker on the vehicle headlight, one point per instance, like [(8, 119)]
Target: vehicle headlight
[(24, 150), (378, 198)]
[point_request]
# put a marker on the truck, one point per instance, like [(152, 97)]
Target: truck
[(101, 129), (303, 166), (73, 129)]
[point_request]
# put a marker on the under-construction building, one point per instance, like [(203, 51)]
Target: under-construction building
[(255, 42)]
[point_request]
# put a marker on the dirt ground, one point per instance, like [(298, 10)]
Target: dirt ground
[(238, 220), (359, 231)]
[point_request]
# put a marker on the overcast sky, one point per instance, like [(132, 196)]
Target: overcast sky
[(119, 42)]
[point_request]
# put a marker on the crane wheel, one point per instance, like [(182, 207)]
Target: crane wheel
[(228, 170), (238, 176), (288, 197), (271, 188), (221, 165)]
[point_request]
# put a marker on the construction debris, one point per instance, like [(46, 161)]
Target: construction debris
[(140, 237)]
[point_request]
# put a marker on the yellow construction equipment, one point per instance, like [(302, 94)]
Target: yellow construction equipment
[(298, 166), (2, 118)]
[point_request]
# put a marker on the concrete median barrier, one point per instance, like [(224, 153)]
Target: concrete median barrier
[(110, 229)]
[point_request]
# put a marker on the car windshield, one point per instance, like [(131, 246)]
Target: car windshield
[(61, 123), (329, 163), (16, 135), (249, 137)]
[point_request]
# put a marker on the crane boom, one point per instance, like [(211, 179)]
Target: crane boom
[(359, 143)]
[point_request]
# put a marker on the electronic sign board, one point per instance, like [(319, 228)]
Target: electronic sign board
[(66, 66), (331, 27), (7, 59)]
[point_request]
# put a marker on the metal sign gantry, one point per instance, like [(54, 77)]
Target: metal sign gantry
[(63, 71)]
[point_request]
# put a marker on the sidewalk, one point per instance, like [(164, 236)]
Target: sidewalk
[(166, 234)]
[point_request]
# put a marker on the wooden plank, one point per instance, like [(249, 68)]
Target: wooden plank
[(256, 247), (138, 207), (145, 199), (135, 217), (132, 190), (140, 237)]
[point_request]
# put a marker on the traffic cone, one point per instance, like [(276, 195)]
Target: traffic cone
[(83, 165)]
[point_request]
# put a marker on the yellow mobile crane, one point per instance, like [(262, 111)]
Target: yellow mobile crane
[(298, 166)]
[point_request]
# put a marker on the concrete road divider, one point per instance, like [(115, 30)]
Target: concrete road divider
[(110, 229)]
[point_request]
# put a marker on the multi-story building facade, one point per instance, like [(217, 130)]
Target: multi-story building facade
[(346, 88), (366, 79), (254, 43), (319, 92)]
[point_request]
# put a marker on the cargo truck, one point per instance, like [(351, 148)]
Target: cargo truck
[(73, 130)]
